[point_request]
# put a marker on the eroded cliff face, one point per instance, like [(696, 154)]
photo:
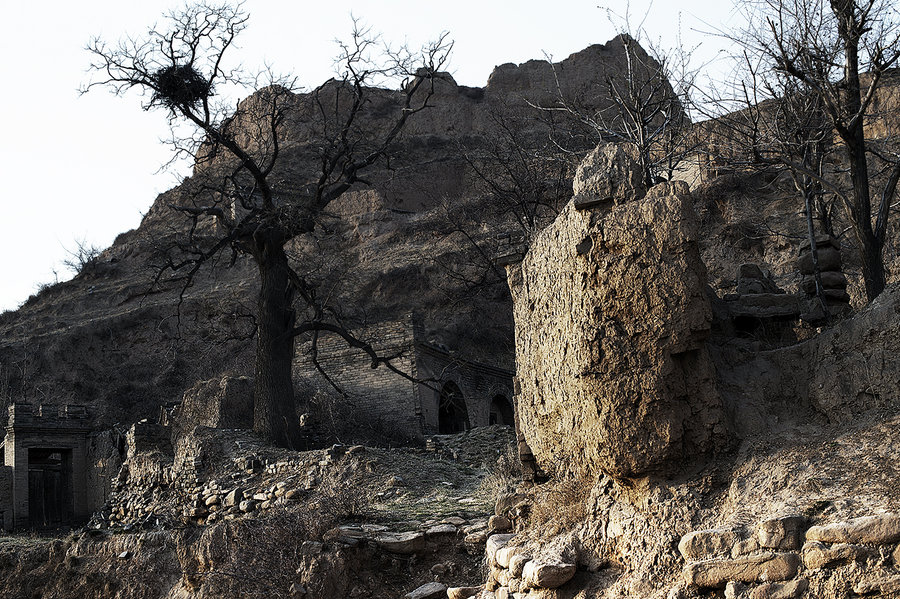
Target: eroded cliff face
[(611, 319)]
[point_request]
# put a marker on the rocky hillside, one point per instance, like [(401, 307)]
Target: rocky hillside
[(124, 341), (700, 460), (221, 515), (695, 462)]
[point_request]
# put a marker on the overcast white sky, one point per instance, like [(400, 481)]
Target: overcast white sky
[(84, 168)]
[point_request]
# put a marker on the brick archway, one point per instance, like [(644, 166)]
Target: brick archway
[(453, 416)]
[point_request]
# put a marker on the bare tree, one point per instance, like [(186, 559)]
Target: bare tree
[(527, 176), (832, 55), (646, 104), (774, 124), (82, 257), (252, 193)]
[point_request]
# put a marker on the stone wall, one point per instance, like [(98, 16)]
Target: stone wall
[(103, 463), (223, 402), (408, 408), (611, 320), (480, 385), (847, 370), (785, 557), (6, 497)]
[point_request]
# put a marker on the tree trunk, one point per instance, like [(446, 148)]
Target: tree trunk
[(870, 248), (872, 265), (274, 411), (853, 135)]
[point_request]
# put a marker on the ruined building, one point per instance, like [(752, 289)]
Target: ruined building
[(445, 393), (43, 482)]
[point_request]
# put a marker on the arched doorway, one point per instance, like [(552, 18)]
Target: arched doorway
[(501, 411), (452, 414)]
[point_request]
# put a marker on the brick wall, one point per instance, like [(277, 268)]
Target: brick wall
[(404, 407), (479, 384), (6, 496)]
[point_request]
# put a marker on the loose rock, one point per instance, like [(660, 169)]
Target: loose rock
[(547, 576), (878, 530), (431, 590), (401, 542), (754, 568), (463, 592)]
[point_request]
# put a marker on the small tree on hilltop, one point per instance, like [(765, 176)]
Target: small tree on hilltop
[(252, 192), (646, 101)]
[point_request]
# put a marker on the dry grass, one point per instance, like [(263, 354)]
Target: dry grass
[(340, 499), (559, 505), (504, 475)]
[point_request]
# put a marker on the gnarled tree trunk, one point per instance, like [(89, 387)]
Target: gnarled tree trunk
[(274, 410)]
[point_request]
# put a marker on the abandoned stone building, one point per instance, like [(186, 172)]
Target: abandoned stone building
[(445, 393), (44, 479)]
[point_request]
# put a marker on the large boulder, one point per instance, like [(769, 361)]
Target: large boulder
[(611, 320), (622, 179)]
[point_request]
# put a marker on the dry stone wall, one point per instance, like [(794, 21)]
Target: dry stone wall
[(611, 317), (785, 558), (848, 370)]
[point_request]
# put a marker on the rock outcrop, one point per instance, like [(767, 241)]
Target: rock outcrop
[(611, 317)]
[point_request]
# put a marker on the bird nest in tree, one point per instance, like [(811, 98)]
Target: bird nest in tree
[(180, 85)]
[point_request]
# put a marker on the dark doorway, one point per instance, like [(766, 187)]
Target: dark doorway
[(501, 411), (452, 414), (49, 488)]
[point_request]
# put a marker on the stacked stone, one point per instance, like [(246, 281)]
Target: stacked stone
[(424, 537), (737, 557), (214, 501), (189, 470), (765, 562), (140, 504), (146, 492), (751, 280), (514, 571), (759, 300), (859, 541), (834, 283)]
